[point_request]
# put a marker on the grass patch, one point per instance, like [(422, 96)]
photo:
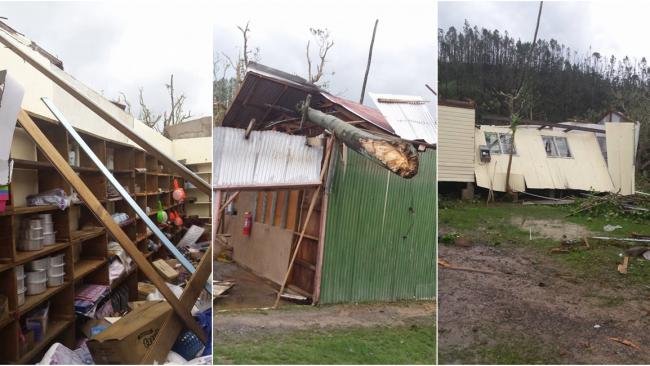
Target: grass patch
[(372, 345), (493, 226), (508, 351)]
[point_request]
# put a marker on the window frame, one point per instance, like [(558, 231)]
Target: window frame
[(555, 149), (499, 143)]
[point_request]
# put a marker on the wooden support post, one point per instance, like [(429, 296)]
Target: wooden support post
[(304, 226), (181, 170), (228, 201), (61, 165), (172, 326)]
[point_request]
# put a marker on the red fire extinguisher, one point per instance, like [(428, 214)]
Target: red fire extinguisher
[(248, 223)]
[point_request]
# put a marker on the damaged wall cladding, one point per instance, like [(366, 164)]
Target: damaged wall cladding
[(380, 241), (265, 158)]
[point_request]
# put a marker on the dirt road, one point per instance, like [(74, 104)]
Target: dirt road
[(535, 311), (233, 325)]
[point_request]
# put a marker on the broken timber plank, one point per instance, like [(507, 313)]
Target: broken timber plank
[(93, 204), (172, 326), (394, 154), (181, 170)]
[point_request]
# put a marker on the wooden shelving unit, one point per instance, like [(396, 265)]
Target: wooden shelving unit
[(202, 207), (79, 234)]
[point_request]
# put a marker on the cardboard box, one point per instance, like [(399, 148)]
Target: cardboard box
[(144, 289), (165, 270), (127, 341)]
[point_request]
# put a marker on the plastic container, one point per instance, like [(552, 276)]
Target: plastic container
[(56, 259), (49, 238), (55, 280), (30, 233), (36, 276), (38, 264), (55, 270), (21, 295), (45, 218), (36, 287), (20, 271), (30, 244), (20, 281), (35, 224), (48, 228)]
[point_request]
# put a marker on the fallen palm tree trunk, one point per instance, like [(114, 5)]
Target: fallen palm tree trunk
[(394, 154)]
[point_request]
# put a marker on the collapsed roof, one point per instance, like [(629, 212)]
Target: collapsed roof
[(270, 96)]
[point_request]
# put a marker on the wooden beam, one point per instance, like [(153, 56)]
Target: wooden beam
[(181, 170), (172, 326), (94, 205), (267, 187), (228, 201)]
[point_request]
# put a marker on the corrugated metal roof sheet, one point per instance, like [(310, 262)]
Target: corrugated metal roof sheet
[(364, 112), (266, 158), (408, 116), (380, 241)]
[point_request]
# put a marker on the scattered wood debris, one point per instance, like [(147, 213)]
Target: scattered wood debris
[(444, 264), (219, 288), (622, 268), (624, 342)]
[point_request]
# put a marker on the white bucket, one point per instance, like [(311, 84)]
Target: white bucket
[(49, 238), (57, 259), (32, 233), (38, 264), (36, 276), (56, 270), (45, 218), (21, 295), (36, 287), (30, 244), (54, 281), (20, 271)]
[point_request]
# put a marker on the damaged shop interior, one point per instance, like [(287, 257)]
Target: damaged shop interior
[(315, 196), (102, 230)]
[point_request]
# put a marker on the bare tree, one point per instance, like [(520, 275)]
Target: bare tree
[(324, 43), (177, 114), (147, 116)]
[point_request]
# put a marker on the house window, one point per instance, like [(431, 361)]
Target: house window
[(500, 143), (556, 146)]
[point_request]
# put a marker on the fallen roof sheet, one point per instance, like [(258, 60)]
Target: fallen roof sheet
[(266, 158), (408, 116)]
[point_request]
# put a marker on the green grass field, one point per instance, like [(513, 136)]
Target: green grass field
[(372, 345)]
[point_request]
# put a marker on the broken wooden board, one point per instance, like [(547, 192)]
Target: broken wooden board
[(622, 268), (221, 287)]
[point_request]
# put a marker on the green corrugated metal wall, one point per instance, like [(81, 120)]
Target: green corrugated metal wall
[(380, 240)]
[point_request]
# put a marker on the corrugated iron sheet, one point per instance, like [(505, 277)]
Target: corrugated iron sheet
[(408, 115), (266, 158), (380, 241), (364, 112)]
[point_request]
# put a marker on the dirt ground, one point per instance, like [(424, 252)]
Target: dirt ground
[(233, 325), (249, 292), (535, 303)]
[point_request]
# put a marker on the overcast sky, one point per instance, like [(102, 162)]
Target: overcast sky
[(404, 56), (121, 46), (612, 27)]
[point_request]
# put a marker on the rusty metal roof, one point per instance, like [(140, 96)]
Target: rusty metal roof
[(264, 86)]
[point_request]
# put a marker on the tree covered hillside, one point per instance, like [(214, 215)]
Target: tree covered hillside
[(561, 84)]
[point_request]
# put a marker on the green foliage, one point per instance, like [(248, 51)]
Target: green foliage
[(450, 238), (368, 345)]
